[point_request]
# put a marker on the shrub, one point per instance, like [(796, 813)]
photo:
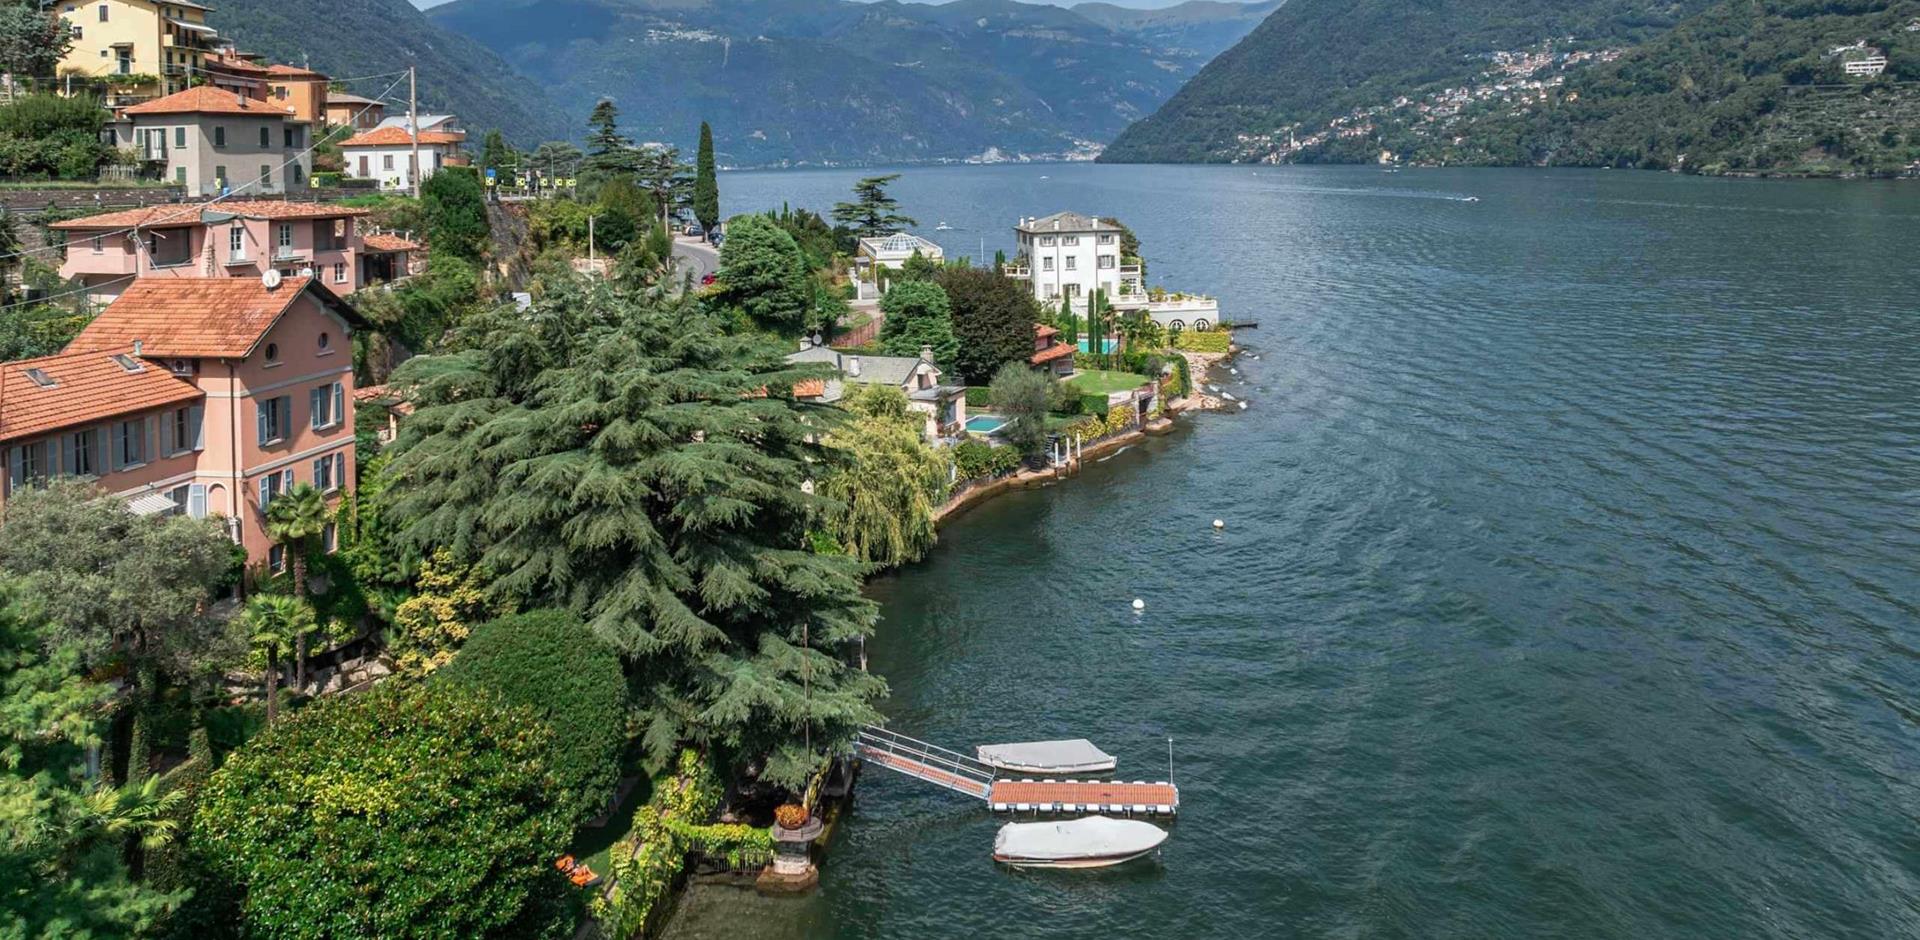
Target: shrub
[(1021, 396), (1213, 342), (430, 626), (979, 396), (973, 460), (549, 662), (1095, 405), (413, 810), (792, 815), (1182, 377)]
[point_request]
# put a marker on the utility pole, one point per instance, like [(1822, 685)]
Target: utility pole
[(413, 125)]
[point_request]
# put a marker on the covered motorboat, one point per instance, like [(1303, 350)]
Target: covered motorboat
[(1077, 756), (1093, 842)]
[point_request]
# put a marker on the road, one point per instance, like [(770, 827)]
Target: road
[(696, 257)]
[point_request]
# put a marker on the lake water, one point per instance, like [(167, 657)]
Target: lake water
[(1570, 583)]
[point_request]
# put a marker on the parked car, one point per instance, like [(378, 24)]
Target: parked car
[(708, 280), (694, 229)]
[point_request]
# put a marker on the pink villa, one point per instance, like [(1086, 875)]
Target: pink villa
[(205, 397), (236, 238)]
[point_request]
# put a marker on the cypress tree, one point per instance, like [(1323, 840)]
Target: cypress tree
[(706, 183)]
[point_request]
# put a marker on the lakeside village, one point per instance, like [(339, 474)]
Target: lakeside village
[(372, 566)]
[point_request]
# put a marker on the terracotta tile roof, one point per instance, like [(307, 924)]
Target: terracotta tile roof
[(342, 97), (238, 66), (398, 137), (189, 213), (208, 99), (810, 388), (87, 387), (1051, 354), (385, 242), (293, 71), (1042, 331), (216, 318)]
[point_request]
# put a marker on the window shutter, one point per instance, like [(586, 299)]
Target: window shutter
[(286, 415), (340, 470), (315, 400), (150, 429), (197, 422), (266, 490), (102, 449), (16, 465), (197, 501), (286, 479), (339, 403), (115, 450), (260, 411), (70, 453)]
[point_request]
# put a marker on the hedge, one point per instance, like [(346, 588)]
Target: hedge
[(1211, 342), (979, 396), (548, 661)]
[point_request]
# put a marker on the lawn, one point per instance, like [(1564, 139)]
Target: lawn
[(1103, 382)]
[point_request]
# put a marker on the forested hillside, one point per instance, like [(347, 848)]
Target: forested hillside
[(1314, 60), (347, 38)]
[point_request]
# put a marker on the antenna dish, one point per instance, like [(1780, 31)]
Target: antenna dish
[(306, 272), (270, 279)]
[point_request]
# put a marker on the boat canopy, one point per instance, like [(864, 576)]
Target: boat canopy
[(1046, 757), (1092, 837)]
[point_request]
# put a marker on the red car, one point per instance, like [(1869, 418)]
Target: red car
[(708, 280)]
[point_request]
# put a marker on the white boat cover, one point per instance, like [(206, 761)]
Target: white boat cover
[(1092, 837), (1075, 756)]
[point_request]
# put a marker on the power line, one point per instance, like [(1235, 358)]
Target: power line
[(70, 293)]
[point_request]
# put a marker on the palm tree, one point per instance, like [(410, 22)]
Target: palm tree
[(272, 621), (294, 519)]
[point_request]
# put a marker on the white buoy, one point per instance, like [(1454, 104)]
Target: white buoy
[(1139, 604), (1219, 523), (1243, 406)]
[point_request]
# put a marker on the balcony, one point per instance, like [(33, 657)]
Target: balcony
[(1018, 272), (152, 154)]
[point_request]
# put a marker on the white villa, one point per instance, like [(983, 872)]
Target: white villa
[(1072, 255), (888, 253), (944, 406)]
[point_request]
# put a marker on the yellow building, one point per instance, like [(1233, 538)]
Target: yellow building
[(167, 41)]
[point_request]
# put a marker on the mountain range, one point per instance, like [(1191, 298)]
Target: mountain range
[(793, 82)]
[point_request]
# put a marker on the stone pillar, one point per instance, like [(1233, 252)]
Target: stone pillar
[(793, 869)]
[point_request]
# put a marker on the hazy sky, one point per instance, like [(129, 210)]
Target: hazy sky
[(1137, 4)]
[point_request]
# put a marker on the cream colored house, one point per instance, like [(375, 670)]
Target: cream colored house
[(214, 141), (876, 256), (168, 40)]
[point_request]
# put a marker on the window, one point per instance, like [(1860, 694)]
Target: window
[(266, 175), (237, 243), (103, 13), (1073, 262), (283, 239), (181, 367), (219, 135), (179, 496), (80, 453), (180, 174), (288, 136), (78, 34), (272, 485), (326, 339), (180, 137), (1046, 263), (330, 472), (266, 137), (196, 501), (1108, 262), (27, 463), (330, 538), (339, 275), (129, 444), (1070, 240), (386, 161), (99, 244), (1106, 239), (220, 177), (363, 166), (272, 417), (1046, 241), (183, 429), (295, 175), (328, 404), (277, 559)]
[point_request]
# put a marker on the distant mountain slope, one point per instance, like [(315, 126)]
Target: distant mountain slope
[(1313, 60), (1747, 86), (831, 81), (347, 38), (1197, 29)]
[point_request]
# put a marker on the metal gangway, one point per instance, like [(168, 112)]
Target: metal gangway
[(923, 761)]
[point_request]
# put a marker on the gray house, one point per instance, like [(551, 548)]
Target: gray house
[(945, 406)]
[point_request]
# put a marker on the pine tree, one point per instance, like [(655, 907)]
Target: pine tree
[(873, 212), (706, 183), (625, 457), (608, 150)]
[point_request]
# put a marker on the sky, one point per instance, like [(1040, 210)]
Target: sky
[(1136, 4)]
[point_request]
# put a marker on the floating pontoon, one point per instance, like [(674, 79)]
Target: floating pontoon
[(1093, 842), (1077, 756)]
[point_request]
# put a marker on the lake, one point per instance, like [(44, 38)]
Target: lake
[(1570, 585)]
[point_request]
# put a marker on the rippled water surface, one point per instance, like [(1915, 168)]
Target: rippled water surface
[(1570, 587)]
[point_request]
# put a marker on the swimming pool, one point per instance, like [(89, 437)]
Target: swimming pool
[(985, 424)]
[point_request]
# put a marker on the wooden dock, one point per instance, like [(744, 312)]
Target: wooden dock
[(967, 775)]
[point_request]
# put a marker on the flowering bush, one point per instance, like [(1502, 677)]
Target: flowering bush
[(1212, 342), (790, 816)]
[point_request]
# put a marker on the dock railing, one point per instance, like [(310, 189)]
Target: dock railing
[(929, 762)]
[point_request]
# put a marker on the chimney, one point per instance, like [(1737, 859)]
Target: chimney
[(136, 347), (853, 367), (805, 344), (926, 354)]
